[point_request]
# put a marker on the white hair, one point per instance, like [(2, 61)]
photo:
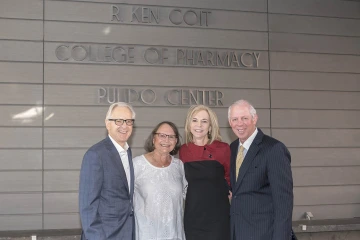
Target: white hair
[(119, 104), (252, 110)]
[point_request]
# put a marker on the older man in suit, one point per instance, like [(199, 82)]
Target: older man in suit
[(261, 180), (107, 181)]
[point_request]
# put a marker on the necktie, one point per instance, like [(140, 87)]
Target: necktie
[(239, 160)]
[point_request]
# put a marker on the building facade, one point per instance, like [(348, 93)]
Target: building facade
[(62, 62)]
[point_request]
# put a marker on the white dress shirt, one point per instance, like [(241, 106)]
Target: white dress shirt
[(124, 158), (248, 142)]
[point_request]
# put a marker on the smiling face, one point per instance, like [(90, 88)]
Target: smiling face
[(164, 144), (241, 121), (200, 125), (119, 133)]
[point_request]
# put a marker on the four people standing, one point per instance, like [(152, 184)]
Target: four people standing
[(258, 171), (206, 161)]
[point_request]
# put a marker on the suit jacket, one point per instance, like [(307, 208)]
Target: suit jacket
[(262, 200), (105, 203)]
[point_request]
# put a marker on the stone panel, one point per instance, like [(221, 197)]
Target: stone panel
[(314, 62), (327, 211), (21, 203), (220, 19), (288, 42), (153, 96), (19, 72), (326, 176), (323, 100), (314, 25), (67, 159), (21, 29), (158, 56), (154, 76), (25, 9), (315, 118), (243, 5), (306, 157), (61, 181), (20, 137), (342, 9), (317, 138), (314, 81), (28, 181), (21, 51), (143, 35), (324, 195), (61, 202), (22, 94), (21, 116), (20, 222), (18, 159), (62, 221), (145, 116)]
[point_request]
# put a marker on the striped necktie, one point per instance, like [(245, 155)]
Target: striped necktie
[(239, 160)]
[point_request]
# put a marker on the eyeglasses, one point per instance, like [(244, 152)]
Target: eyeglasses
[(120, 122), (163, 136)]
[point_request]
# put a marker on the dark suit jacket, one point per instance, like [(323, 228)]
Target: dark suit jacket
[(262, 200), (105, 203)]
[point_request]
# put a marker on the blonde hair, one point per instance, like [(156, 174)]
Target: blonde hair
[(214, 131)]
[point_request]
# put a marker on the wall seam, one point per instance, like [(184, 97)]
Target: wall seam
[(268, 32), (42, 121)]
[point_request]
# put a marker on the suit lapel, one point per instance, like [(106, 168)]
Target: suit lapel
[(115, 157), (132, 176), (250, 155), (234, 150)]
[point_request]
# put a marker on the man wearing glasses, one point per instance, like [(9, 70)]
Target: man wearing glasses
[(107, 181)]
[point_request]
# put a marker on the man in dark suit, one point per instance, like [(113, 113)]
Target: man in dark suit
[(107, 181), (261, 180)]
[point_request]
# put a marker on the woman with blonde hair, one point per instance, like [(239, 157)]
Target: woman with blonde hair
[(206, 162)]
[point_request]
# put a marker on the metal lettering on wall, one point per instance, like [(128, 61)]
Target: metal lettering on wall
[(160, 15), (173, 97), (169, 56), (159, 55)]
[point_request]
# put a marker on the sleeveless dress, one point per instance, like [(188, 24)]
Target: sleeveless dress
[(207, 209)]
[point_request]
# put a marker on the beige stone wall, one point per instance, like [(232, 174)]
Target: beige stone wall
[(305, 86)]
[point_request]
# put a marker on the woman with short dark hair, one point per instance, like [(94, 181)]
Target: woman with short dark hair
[(160, 186)]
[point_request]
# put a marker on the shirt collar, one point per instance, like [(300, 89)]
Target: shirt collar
[(249, 141), (118, 147)]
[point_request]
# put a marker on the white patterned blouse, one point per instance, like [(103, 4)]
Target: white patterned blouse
[(159, 200)]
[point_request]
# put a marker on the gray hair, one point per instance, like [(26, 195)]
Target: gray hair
[(119, 104), (252, 110)]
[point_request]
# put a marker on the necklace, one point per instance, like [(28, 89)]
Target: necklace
[(158, 162)]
